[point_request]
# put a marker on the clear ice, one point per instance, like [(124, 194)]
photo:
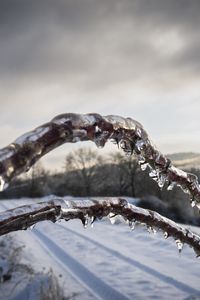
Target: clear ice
[(127, 133), (132, 225), (3, 184), (88, 221), (166, 234), (171, 186), (179, 245)]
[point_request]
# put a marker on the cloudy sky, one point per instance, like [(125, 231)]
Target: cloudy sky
[(136, 58)]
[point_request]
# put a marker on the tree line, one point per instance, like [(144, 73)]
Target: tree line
[(87, 173)]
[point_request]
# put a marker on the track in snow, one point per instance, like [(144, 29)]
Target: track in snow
[(179, 285), (90, 281), (93, 283), (99, 288)]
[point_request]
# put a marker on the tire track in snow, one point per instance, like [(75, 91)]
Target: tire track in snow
[(23, 294), (177, 284), (91, 282)]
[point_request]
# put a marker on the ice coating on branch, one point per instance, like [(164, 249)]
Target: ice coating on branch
[(32, 136), (132, 225), (166, 235), (127, 133), (179, 245), (120, 122), (89, 210), (171, 186), (77, 120), (2, 184), (88, 221), (150, 229), (112, 218), (32, 227), (144, 166)]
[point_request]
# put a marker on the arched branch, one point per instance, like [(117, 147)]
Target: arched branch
[(130, 135), (20, 155), (87, 211)]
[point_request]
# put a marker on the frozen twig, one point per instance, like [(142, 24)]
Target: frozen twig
[(88, 211), (130, 135)]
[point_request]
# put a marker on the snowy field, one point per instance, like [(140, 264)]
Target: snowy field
[(108, 261)]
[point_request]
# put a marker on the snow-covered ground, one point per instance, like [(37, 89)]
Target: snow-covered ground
[(109, 261)]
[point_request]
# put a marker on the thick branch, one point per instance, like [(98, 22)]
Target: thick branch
[(20, 155), (88, 210)]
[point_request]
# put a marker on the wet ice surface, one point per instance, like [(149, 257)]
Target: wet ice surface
[(127, 133), (136, 264)]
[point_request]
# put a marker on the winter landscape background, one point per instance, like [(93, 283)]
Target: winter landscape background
[(66, 260), (135, 58)]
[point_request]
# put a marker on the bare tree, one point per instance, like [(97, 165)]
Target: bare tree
[(38, 180), (84, 162), (131, 169), (120, 176)]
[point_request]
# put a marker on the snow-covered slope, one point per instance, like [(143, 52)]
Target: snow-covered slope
[(110, 262)]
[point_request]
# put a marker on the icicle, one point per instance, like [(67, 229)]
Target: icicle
[(179, 245), (141, 159), (88, 221), (161, 180), (154, 230), (166, 235), (185, 189), (97, 129), (139, 145), (171, 186), (85, 221), (3, 184), (112, 218), (58, 217), (150, 229), (10, 171), (132, 225), (92, 219), (153, 174), (144, 166), (142, 162), (193, 202), (32, 226)]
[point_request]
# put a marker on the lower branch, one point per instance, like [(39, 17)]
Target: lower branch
[(87, 211)]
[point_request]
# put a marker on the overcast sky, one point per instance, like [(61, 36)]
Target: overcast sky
[(136, 58)]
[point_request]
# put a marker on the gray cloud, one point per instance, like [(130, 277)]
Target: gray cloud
[(136, 58), (97, 42)]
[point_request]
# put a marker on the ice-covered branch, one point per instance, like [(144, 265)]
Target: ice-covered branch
[(89, 210), (130, 135)]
